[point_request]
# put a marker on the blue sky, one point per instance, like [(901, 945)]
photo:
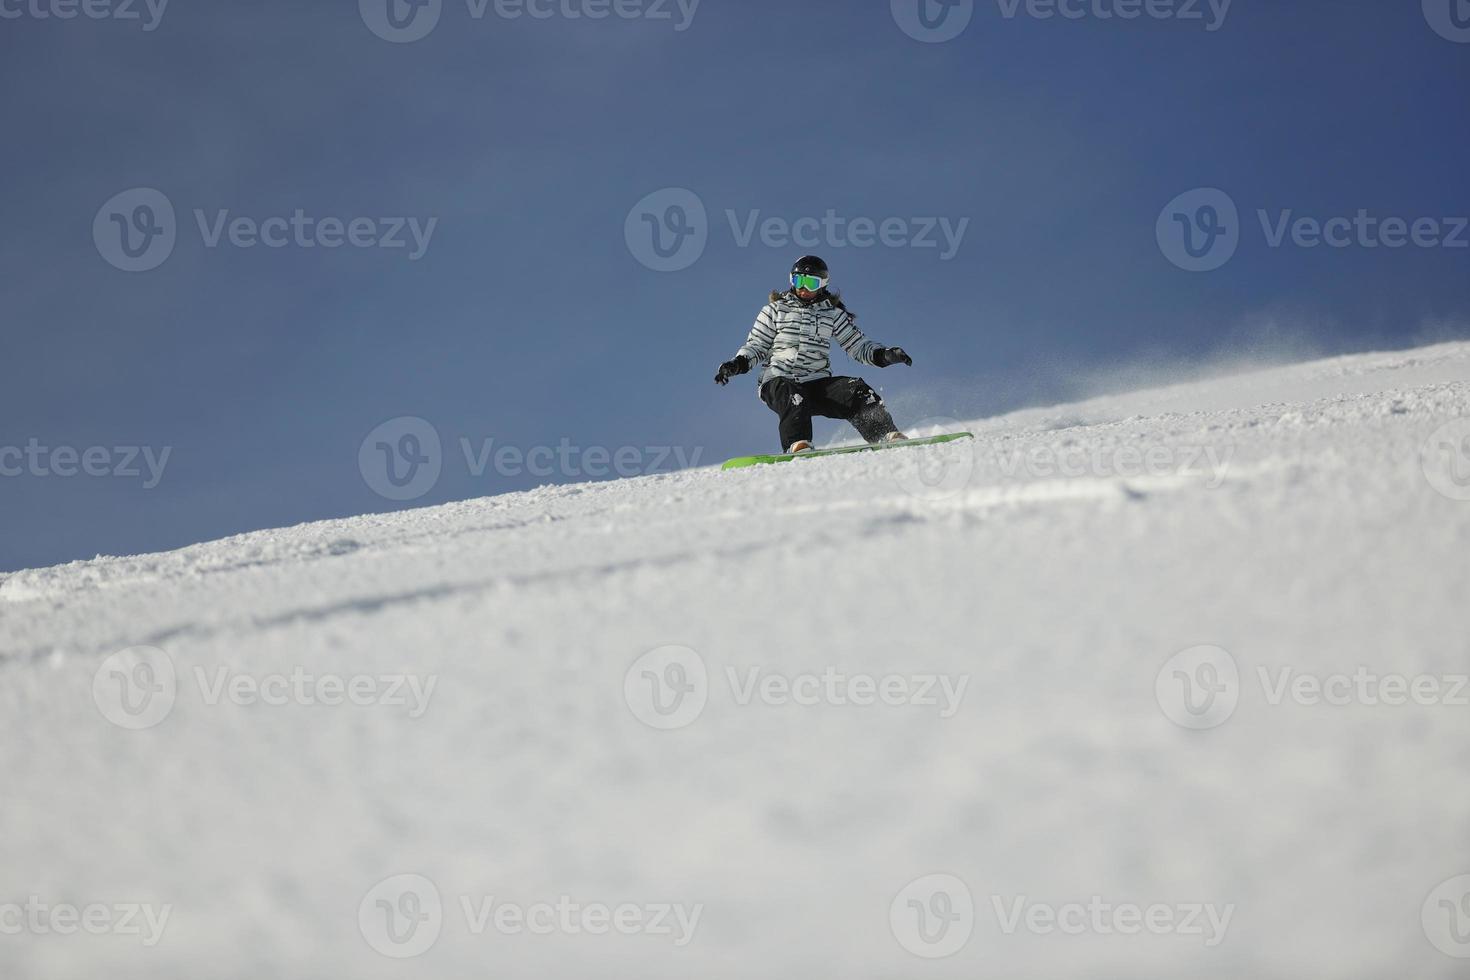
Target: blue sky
[(521, 148)]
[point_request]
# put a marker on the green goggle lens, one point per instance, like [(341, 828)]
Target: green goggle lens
[(814, 283)]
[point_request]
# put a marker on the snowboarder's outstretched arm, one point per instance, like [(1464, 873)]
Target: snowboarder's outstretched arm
[(863, 350), (757, 346), (755, 350)]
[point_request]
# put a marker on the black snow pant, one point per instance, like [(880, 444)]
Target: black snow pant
[(849, 399)]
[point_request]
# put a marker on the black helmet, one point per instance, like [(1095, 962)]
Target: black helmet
[(810, 265)]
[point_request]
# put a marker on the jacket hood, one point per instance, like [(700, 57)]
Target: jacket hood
[(825, 296)]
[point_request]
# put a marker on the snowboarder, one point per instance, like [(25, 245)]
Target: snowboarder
[(793, 337)]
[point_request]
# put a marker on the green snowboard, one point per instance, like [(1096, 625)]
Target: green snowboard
[(740, 461)]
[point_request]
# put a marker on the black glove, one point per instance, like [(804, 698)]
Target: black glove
[(735, 365), (886, 356)]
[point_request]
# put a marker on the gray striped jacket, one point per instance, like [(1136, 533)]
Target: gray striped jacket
[(794, 339)]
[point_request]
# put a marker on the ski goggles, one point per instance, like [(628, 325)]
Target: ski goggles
[(814, 283)]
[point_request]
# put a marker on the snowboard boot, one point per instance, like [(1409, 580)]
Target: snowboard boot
[(894, 436), (799, 446)]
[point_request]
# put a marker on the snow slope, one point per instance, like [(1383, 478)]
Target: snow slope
[(1287, 517)]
